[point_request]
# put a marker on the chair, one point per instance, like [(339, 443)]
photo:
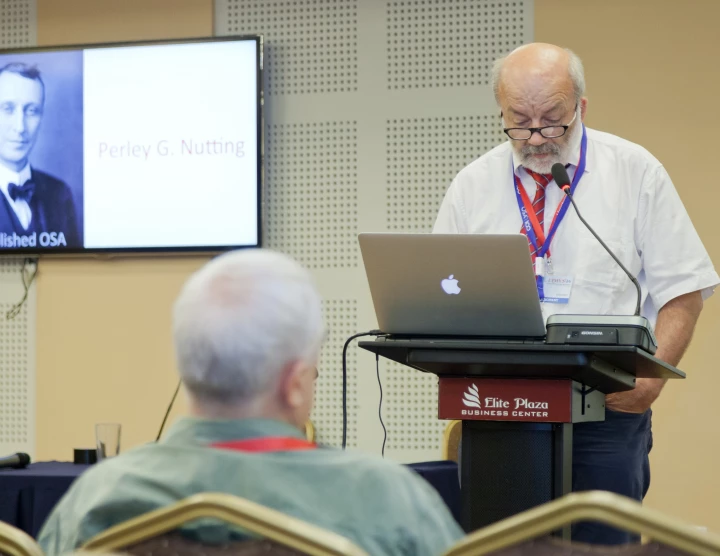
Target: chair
[(518, 535), (310, 430), (451, 441), (14, 542), (155, 532)]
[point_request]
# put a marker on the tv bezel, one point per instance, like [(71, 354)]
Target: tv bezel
[(6, 252)]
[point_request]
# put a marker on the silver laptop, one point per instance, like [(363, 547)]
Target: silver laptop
[(453, 285)]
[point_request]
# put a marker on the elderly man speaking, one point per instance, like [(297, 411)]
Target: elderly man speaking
[(247, 332), (628, 198)]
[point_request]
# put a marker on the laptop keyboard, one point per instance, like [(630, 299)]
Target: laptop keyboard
[(465, 340)]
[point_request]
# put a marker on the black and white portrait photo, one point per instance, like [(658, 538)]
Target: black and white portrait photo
[(41, 150)]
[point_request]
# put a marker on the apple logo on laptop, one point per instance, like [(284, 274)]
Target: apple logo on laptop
[(450, 285)]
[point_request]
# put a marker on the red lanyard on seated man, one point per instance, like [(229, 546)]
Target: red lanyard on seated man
[(266, 444)]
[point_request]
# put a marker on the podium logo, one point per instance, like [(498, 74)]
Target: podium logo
[(471, 398)]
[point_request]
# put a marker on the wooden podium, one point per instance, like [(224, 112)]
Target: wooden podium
[(518, 402)]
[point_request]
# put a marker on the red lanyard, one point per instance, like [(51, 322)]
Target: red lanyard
[(266, 444), (531, 224), (530, 211)]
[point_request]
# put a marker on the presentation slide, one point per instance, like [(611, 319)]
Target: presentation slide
[(130, 147)]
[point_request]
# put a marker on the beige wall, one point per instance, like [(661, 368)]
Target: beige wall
[(652, 78), (103, 337), (88, 21)]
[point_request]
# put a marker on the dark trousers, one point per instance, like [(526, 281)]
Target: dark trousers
[(611, 455)]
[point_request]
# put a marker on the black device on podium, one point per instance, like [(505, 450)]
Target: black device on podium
[(518, 402)]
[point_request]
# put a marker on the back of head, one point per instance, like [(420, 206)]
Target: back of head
[(242, 319)]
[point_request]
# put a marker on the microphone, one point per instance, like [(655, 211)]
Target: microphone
[(559, 173), (16, 461)]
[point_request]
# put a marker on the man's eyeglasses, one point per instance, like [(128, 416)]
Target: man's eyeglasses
[(549, 132)]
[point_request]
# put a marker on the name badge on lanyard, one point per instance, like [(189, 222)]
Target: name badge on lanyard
[(536, 235)]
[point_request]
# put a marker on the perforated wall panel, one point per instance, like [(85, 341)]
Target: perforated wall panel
[(10, 266), (311, 171), (423, 155), (17, 363), (371, 109), (16, 383), (410, 412), (17, 23), (341, 318), (450, 43), (311, 45), (17, 336)]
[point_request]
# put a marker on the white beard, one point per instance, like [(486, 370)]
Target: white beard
[(559, 152)]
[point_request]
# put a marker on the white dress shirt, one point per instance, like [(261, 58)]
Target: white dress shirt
[(19, 206), (627, 197)]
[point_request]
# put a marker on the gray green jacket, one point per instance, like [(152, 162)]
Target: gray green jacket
[(381, 506)]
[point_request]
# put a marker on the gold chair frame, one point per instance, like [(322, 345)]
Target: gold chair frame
[(605, 507), (15, 542), (250, 516)]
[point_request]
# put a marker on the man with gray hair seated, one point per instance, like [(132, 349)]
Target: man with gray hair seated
[(247, 331)]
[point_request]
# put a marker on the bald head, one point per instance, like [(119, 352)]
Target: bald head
[(538, 70)]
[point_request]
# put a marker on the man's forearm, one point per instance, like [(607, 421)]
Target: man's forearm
[(675, 326), (673, 330)]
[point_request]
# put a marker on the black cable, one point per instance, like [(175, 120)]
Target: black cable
[(27, 280), (344, 378), (167, 413), (377, 369)]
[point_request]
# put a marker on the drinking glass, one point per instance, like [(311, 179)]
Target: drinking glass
[(107, 437)]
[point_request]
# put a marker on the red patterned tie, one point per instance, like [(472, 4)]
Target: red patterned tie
[(541, 180)]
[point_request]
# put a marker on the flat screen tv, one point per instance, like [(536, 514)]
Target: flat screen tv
[(133, 147)]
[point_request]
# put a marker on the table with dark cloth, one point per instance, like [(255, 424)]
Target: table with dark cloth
[(444, 477), (27, 496)]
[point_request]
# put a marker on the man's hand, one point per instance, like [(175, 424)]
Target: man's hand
[(637, 400), (673, 330)]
